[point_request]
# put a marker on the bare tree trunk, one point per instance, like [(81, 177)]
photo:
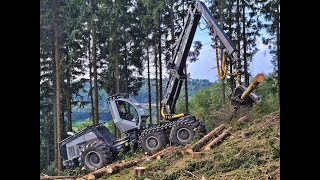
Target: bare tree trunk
[(245, 65), (90, 81), (156, 66), (239, 35), (222, 89), (160, 61), (149, 86), (230, 35), (117, 89), (68, 96), (55, 110), (94, 64), (126, 69), (185, 70), (117, 77), (172, 26), (48, 152), (57, 90)]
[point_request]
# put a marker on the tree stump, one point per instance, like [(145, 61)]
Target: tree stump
[(138, 171)]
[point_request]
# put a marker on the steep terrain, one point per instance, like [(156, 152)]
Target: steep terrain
[(252, 151)]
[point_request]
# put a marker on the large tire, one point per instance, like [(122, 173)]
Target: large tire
[(182, 134), (95, 155), (153, 142)]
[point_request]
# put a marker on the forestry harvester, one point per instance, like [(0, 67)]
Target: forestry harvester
[(95, 146)]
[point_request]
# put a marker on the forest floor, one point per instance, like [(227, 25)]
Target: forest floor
[(252, 151)]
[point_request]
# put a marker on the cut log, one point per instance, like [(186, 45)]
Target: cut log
[(57, 177), (197, 146), (218, 139), (90, 176), (258, 79), (163, 152), (138, 171)]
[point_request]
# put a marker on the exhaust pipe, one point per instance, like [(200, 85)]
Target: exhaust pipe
[(244, 96)]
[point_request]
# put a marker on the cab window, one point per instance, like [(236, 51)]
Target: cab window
[(127, 111)]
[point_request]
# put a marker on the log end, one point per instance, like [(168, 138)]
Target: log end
[(260, 77), (90, 176), (189, 151)]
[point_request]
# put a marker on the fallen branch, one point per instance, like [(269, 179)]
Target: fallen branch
[(218, 139), (57, 177), (197, 146)]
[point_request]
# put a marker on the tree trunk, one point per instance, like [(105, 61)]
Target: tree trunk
[(222, 88), (57, 90), (186, 88), (126, 69), (172, 25), (94, 64), (117, 90), (68, 95), (218, 139), (149, 87), (55, 109), (160, 61), (278, 45), (197, 146), (239, 36), (156, 67), (230, 35), (48, 152), (90, 81), (245, 65), (185, 69)]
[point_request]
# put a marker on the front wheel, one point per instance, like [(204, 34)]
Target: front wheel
[(95, 155)]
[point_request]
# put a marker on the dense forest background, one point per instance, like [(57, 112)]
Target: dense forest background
[(90, 49)]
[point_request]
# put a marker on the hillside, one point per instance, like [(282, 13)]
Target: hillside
[(252, 151)]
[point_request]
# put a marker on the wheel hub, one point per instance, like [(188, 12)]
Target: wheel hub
[(93, 159), (183, 134), (152, 142)]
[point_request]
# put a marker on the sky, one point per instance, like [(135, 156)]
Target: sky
[(203, 68)]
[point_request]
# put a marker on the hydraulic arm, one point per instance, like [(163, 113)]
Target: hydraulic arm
[(177, 63)]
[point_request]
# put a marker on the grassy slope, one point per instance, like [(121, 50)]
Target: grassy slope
[(237, 157)]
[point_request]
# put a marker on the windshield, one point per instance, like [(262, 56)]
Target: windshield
[(138, 105)]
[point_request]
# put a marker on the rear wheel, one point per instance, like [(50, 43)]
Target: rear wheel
[(95, 155), (182, 134), (153, 142)]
